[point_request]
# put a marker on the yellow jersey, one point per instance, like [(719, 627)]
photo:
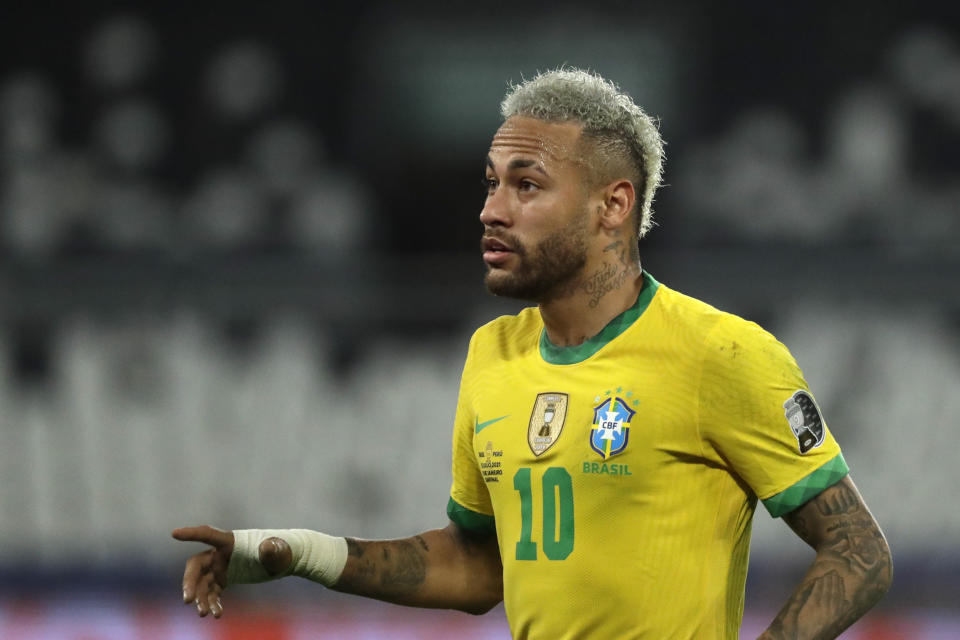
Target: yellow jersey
[(621, 475)]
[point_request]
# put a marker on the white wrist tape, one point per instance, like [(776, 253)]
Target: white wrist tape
[(316, 556)]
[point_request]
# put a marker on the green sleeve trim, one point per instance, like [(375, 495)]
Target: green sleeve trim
[(470, 520), (806, 488)]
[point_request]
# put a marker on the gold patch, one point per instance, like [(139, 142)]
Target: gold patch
[(546, 421)]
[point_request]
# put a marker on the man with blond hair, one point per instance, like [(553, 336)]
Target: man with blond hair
[(611, 443)]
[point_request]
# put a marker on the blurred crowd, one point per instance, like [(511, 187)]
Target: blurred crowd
[(102, 160), (870, 175), (265, 181)]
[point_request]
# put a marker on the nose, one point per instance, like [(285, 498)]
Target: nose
[(496, 210)]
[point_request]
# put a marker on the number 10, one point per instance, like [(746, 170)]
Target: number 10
[(557, 545)]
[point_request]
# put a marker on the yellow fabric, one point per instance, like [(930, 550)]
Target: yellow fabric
[(660, 541)]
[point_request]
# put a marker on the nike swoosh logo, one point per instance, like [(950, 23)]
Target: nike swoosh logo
[(483, 425)]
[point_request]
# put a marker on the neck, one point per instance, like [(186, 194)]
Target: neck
[(604, 292)]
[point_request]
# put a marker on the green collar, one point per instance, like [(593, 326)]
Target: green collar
[(572, 355)]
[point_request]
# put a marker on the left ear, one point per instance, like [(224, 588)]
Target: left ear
[(618, 199)]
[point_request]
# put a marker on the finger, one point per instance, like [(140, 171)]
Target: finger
[(203, 591), (219, 568), (197, 565), (205, 534), (213, 602)]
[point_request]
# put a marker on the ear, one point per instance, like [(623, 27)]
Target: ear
[(618, 199)]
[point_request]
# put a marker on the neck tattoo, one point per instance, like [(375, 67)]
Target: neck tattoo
[(610, 275)]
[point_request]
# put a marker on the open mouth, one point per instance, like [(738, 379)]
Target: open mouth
[(495, 251)]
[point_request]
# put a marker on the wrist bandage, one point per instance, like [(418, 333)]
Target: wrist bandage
[(316, 556)]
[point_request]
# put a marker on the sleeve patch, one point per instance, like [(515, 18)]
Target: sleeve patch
[(470, 520), (806, 488), (803, 416)]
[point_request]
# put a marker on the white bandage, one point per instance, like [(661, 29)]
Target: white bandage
[(316, 556)]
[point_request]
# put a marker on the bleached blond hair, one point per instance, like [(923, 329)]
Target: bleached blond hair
[(621, 132)]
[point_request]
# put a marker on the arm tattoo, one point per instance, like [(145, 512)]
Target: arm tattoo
[(399, 568), (837, 502), (423, 543), (354, 549), (799, 524), (852, 571)]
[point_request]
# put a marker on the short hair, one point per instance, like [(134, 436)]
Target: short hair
[(620, 129)]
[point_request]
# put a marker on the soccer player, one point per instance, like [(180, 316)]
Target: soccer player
[(611, 444)]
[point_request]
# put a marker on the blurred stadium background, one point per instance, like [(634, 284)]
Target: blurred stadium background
[(239, 269)]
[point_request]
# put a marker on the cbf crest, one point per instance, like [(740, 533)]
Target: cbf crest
[(611, 426), (546, 421)]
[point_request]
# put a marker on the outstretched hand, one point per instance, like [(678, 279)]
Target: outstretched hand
[(205, 576)]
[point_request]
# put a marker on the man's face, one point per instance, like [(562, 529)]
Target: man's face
[(535, 218)]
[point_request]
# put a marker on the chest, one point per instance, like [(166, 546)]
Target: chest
[(609, 424)]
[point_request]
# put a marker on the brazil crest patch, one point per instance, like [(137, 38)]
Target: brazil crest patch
[(611, 427)]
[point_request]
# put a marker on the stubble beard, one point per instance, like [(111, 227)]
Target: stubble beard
[(551, 269)]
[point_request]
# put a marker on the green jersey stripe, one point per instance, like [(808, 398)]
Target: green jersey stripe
[(829, 474), (470, 520)]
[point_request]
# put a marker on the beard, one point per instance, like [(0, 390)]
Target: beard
[(548, 270)]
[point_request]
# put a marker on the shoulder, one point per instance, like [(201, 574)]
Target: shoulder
[(742, 344), (723, 337), (687, 311), (737, 358), (711, 321), (508, 333), (696, 321)]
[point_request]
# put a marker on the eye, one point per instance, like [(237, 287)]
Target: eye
[(528, 185), (489, 184)]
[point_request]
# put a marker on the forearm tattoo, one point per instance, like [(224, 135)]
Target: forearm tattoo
[(852, 571), (393, 568)]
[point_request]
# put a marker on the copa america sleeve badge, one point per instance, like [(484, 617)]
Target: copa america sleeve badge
[(803, 416)]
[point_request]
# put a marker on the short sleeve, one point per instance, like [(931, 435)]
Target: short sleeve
[(758, 417), (469, 505)]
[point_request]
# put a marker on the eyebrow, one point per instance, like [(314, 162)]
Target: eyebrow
[(519, 163)]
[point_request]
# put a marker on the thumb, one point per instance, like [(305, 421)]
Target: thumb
[(275, 555), (208, 535)]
